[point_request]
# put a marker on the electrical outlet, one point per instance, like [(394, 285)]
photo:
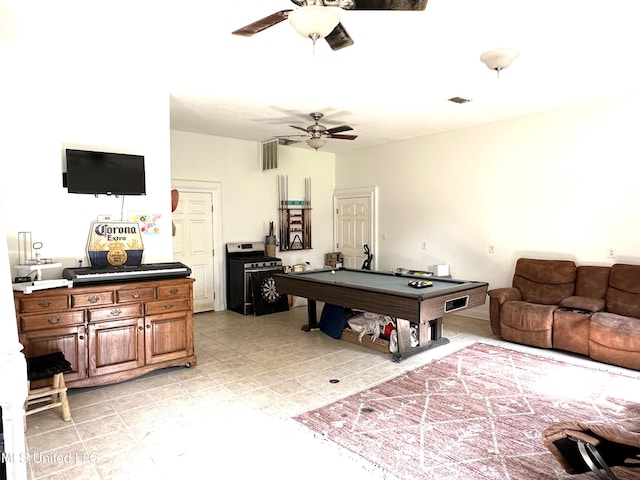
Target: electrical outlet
[(492, 249), (611, 253), (424, 245)]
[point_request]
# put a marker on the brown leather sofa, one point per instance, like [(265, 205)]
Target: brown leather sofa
[(589, 310)]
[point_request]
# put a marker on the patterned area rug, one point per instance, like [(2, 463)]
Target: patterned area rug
[(477, 414)]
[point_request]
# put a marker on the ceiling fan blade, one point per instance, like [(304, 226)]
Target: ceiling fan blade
[(262, 24), (390, 4), (344, 137), (286, 141), (341, 128), (338, 38), (299, 128)]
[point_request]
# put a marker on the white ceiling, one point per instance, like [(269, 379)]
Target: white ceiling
[(392, 84)]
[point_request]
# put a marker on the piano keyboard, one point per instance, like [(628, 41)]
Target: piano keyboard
[(88, 275)]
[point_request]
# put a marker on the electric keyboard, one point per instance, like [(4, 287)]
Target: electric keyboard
[(146, 271)]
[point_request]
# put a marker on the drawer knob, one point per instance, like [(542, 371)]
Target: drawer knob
[(54, 320), (148, 326), (81, 337), (140, 328), (44, 303), (173, 291), (115, 312), (168, 305), (93, 298), (135, 295)]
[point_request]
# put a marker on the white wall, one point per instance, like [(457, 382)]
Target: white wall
[(561, 184), (250, 196), (62, 87)]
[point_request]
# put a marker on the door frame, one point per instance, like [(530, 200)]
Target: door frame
[(371, 193), (214, 189)]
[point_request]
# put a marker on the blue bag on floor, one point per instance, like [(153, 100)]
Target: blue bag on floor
[(333, 320)]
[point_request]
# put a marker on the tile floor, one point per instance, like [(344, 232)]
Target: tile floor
[(228, 416)]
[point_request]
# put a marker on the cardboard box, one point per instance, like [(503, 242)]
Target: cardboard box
[(333, 260), (379, 345)]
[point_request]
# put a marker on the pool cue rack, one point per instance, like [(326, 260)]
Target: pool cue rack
[(294, 217)]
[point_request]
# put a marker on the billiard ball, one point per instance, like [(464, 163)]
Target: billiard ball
[(333, 272)]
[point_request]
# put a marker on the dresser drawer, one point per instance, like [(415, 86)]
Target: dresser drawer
[(135, 294), (173, 291), (50, 320), (43, 304), (115, 312), (168, 305), (92, 299)]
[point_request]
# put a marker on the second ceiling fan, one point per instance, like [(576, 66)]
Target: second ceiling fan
[(314, 20), (318, 134)]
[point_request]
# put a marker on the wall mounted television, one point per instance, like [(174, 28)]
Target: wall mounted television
[(105, 173)]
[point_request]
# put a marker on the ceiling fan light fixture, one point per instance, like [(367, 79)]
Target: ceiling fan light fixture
[(316, 142), (498, 58), (314, 21)]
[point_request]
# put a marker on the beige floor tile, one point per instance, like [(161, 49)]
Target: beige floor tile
[(53, 439), (165, 392), (45, 421), (129, 402), (83, 397), (253, 373), (84, 471), (112, 443), (101, 426), (144, 414), (134, 464), (92, 412), (58, 460)]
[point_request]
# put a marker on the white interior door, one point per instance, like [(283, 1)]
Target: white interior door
[(355, 225), (193, 244)]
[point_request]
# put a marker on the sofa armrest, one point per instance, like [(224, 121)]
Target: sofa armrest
[(505, 294), (497, 297)]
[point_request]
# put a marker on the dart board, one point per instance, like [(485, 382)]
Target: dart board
[(268, 290), (266, 298)]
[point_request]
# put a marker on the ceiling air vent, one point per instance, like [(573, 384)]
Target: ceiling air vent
[(269, 155), (458, 100)]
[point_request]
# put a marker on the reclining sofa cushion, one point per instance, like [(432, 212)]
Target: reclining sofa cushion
[(615, 339), (623, 294), (527, 323), (571, 330), (590, 290), (545, 282)]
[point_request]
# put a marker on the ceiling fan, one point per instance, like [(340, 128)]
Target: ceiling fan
[(314, 20), (318, 134)]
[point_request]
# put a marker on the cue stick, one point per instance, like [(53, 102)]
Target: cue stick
[(309, 212), (280, 205), (285, 185), (283, 232), (305, 231)]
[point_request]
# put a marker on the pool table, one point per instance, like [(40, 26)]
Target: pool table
[(389, 294)]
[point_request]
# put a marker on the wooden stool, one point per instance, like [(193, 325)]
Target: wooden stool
[(43, 366)]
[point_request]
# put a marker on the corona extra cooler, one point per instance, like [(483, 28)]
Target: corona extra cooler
[(114, 244)]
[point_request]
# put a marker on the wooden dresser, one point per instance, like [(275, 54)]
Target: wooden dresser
[(110, 333)]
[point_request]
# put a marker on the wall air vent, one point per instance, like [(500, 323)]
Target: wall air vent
[(269, 154)]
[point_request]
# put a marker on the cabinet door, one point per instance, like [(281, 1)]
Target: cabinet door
[(168, 336), (71, 341), (116, 346)]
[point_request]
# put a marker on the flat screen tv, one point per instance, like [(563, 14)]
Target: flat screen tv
[(104, 173)]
